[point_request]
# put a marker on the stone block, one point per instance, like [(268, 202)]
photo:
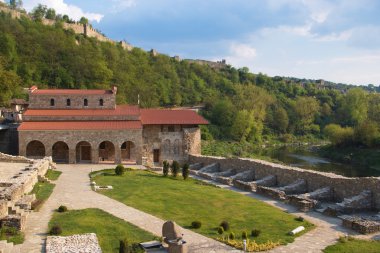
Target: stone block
[(13, 221)]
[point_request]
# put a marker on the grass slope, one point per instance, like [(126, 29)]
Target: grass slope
[(53, 174), (187, 201), (43, 191), (108, 228), (354, 246)]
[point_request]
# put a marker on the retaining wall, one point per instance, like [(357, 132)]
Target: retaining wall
[(344, 187)]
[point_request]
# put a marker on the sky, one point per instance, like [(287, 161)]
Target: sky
[(335, 40)]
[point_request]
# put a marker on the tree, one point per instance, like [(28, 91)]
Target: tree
[(15, 4), (83, 21), (185, 171), (367, 133), (165, 168), (280, 119), (353, 107), (174, 168), (306, 109), (39, 12), (50, 14), (242, 126), (339, 136)]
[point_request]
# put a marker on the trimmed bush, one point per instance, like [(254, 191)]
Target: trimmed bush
[(299, 218), (225, 225), (165, 168), (220, 230), (244, 235), (255, 232), (62, 209), (55, 230), (175, 168), (231, 236), (124, 247), (196, 224), (120, 170), (185, 171)]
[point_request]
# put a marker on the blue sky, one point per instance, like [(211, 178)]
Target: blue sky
[(337, 40)]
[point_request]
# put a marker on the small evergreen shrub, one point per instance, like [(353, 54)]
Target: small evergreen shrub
[(220, 230), (196, 224), (299, 218), (185, 171), (165, 168), (231, 236), (55, 230), (175, 168), (62, 209), (124, 247), (225, 225), (255, 232), (120, 170), (244, 235)]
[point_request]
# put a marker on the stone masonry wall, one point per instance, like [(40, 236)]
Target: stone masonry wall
[(95, 137), (344, 187)]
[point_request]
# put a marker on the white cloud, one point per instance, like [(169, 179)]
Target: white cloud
[(242, 50), (120, 5), (61, 7)]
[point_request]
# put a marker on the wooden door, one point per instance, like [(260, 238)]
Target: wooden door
[(85, 153), (156, 155)]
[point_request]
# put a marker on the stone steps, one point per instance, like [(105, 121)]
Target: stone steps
[(7, 247)]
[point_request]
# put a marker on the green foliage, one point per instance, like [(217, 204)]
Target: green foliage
[(231, 236), (225, 225), (353, 107), (120, 170), (367, 133), (55, 230), (62, 209), (165, 168), (299, 218), (338, 135), (255, 233), (124, 246), (196, 224), (185, 171), (244, 235), (174, 168), (351, 245), (11, 234), (220, 230)]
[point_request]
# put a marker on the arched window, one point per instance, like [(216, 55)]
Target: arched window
[(85, 102), (101, 102), (68, 102), (52, 102)]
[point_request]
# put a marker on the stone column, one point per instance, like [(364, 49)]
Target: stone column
[(72, 155), (48, 150), (117, 155), (94, 155)]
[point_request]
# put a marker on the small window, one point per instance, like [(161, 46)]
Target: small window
[(171, 129), (52, 102), (85, 102), (101, 102), (68, 102)]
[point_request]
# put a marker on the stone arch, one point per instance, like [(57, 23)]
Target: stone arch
[(177, 147), (35, 149), (60, 152), (166, 146), (106, 152), (83, 152), (128, 151)]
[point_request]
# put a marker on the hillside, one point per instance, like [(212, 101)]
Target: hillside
[(241, 105)]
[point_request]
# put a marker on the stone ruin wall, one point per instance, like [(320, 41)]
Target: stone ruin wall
[(14, 159), (344, 187)]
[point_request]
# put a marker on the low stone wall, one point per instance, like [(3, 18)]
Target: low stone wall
[(343, 187), (14, 159)]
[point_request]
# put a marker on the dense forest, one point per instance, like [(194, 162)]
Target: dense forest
[(240, 105)]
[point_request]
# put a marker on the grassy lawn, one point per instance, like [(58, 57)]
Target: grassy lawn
[(53, 174), (354, 246), (43, 192), (190, 200), (108, 228), (11, 235)]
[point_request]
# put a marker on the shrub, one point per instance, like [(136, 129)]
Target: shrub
[(225, 225), (36, 204), (165, 168), (299, 218), (123, 248), (231, 236), (120, 170), (339, 136), (255, 232), (175, 168), (244, 235), (196, 224), (220, 230), (55, 230), (62, 209), (185, 171)]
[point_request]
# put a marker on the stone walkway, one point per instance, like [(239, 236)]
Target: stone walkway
[(327, 231), (73, 190)]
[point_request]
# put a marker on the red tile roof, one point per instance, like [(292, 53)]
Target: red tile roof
[(175, 117), (121, 110), (70, 92), (80, 125)]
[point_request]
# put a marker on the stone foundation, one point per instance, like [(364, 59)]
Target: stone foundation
[(74, 243)]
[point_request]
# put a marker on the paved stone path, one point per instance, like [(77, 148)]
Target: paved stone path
[(73, 190), (327, 231)]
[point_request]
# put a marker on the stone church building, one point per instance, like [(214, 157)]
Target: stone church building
[(86, 126)]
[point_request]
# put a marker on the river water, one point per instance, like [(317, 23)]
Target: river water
[(307, 158)]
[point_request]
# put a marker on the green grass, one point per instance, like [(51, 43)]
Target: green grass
[(108, 228), (53, 174), (11, 235), (354, 246), (43, 192), (188, 201)]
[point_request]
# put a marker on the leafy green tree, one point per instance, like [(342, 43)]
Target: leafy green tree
[(339, 136), (174, 168), (83, 21), (185, 171), (367, 133), (353, 107), (280, 119), (306, 109), (50, 14), (242, 125), (39, 12)]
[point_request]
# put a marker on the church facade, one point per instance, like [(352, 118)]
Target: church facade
[(86, 126)]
